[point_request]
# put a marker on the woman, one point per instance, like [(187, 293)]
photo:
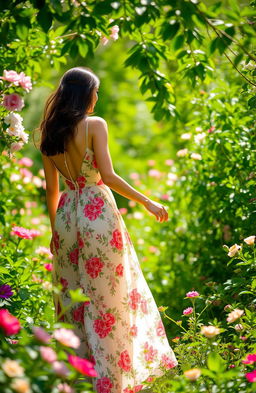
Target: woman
[(120, 328)]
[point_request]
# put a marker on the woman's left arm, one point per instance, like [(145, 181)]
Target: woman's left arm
[(52, 188)]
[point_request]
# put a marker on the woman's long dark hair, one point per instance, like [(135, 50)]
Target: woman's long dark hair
[(65, 108)]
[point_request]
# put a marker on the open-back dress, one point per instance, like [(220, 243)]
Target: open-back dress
[(120, 328)]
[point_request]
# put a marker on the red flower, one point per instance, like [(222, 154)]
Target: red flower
[(101, 328), (97, 201), (94, 163), (81, 180), (78, 313), (64, 283), (62, 200), (73, 256), (84, 366), (9, 323), (94, 266), (104, 326), (80, 240), (56, 240), (119, 269), (109, 319), (124, 361), (48, 266), (92, 211), (104, 385), (117, 240), (70, 184)]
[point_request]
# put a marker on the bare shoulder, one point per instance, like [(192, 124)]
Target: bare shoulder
[(97, 123)]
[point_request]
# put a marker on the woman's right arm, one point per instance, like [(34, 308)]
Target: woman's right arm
[(110, 178)]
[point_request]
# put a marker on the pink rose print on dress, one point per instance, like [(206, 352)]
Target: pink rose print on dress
[(167, 362), (62, 200), (80, 240), (94, 163), (135, 298), (94, 266), (78, 313), (93, 210), (119, 269), (124, 361), (64, 283), (149, 352), (144, 306), (133, 330), (104, 326), (136, 389), (117, 240), (160, 329), (73, 256), (104, 385), (56, 240)]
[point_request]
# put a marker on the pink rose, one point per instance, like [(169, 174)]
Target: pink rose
[(251, 377), (119, 269), (13, 102), (188, 311), (73, 256), (41, 335), (117, 240), (124, 361), (104, 385), (48, 354), (84, 366), (25, 81), (11, 76), (16, 146), (9, 323), (94, 266), (26, 161), (192, 294)]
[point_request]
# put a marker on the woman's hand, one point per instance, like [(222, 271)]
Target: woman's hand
[(157, 209), (52, 245)]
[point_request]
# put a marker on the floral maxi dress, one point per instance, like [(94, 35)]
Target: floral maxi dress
[(120, 328)]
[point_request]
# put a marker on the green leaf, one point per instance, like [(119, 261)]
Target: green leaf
[(4, 270), (22, 30), (82, 47), (252, 102), (178, 42), (169, 30), (215, 362), (44, 18)]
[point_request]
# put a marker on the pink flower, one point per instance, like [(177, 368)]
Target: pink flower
[(124, 361), (104, 385), (9, 323), (251, 377), (48, 354), (65, 388), (25, 81), (104, 40), (41, 250), (60, 368), (26, 161), (13, 102), (24, 233), (114, 32), (84, 366), (188, 311), (123, 210), (250, 358), (192, 294), (67, 337), (16, 146), (41, 335), (11, 76), (48, 266), (149, 352), (117, 240)]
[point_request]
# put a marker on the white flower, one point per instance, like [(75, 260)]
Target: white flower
[(210, 331), (182, 152), (186, 136), (24, 136), (13, 119), (172, 176), (196, 156), (199, 137), (250, 240)]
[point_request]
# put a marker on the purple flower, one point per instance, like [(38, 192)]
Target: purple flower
[(192, 294), (5, 291)]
